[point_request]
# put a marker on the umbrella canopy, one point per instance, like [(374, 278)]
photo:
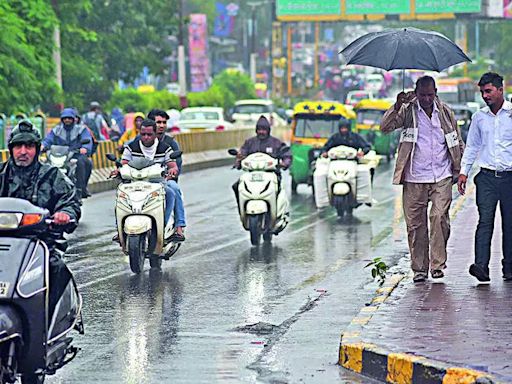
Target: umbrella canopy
[(405, 48)]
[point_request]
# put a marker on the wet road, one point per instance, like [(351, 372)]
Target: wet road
[(221, 310)]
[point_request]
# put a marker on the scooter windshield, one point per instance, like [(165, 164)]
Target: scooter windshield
[(140, 163), (59, 150)]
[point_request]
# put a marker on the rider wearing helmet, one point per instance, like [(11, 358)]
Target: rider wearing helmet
[(23, 176), (346, 137)]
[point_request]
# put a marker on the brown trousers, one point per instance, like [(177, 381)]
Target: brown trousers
[(416, 197)]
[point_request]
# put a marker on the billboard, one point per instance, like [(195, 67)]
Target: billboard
[(198, 52), (507, 9), (369, 7), (450, 6), (318, 8)]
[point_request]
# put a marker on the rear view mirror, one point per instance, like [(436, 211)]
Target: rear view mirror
[(233, 152), (111, 157)]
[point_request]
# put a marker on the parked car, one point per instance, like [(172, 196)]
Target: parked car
[(246, 113), (354, 97), (196, 119)]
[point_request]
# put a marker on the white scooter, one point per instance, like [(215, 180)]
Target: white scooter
[(140, 208), (348, 179), (262, 201)]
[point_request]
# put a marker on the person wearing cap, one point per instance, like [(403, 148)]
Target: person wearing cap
[(75, 136), (263, 142), (23, 176), (346, 137)]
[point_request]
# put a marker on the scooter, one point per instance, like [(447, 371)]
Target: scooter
[(61, 157), (349, 178), (140, 208), (32, 345), (262, 201)]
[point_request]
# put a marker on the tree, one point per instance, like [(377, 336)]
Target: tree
[(26, 63)]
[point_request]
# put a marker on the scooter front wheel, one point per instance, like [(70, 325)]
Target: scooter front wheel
[(136, 248), (255, 229)]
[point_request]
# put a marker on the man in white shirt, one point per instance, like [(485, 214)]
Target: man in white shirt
[(490, 139)]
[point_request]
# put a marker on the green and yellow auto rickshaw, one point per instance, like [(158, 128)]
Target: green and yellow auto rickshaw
[(369, 115), (313, 122)]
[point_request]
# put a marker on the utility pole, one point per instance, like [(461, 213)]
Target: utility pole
[(57, 47), (252, 53), (182, 72)]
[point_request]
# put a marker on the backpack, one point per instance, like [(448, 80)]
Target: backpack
[(92, 127)]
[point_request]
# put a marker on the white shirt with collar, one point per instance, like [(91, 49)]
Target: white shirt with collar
[(489, 139)]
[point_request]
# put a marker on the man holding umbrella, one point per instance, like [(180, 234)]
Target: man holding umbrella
[(427, 165)]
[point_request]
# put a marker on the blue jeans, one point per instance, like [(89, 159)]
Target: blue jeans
[(174, 202)]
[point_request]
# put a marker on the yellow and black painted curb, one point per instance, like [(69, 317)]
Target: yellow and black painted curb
[(398, 368)]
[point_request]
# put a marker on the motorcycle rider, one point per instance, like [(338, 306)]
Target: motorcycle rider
[(263, 142), (23, 176), (160, 117), (346, 137), (148, 146), (71, 134)]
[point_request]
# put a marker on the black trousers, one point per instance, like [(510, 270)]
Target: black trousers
[(490, 190), (83, 171)]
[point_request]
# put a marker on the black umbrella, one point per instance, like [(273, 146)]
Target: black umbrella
[(405, 48)]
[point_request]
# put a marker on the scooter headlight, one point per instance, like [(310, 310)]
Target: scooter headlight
[(32, 280), (10, 220)]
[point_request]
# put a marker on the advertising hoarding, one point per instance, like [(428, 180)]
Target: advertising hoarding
[(198, 52), (369, 7), (452, 6)]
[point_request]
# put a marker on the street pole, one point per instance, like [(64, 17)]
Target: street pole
[(317, 38), (290, 57), (57, 56), (477, 40), (182, 71)]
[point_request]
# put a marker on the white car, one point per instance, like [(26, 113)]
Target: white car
[(354, 97), (197, 119), (246, 113)]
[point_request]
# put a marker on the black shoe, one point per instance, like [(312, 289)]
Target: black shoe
[(115, 238), (507, 277), (86, 194), (479, 272), (419, 277), (437, 274), (176, 237)]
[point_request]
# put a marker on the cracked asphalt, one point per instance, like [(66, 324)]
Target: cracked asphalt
[(221, 310)]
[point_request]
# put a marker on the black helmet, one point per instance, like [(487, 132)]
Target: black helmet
[(24, 132), (263, 123)]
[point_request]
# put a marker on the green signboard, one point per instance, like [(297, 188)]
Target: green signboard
[(308, 8), (372, 7), (452, 6)]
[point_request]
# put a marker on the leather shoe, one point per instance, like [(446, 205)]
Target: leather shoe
[(507, 277), (437, 274), (419, 277), (479, 272)]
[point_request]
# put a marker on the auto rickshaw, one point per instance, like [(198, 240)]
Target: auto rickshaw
[(369, 115), (313, 122)]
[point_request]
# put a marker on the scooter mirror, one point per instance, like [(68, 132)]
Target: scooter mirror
[(86, 141), (233, 152), (111, 157), (176, 154)]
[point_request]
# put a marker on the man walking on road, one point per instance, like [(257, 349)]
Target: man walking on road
[(490, 138), (428, 162)]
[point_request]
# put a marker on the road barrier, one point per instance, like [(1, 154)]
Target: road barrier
[(193, 142)]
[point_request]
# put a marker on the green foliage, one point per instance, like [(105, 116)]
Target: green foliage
[(235, 85), (379, 269), (26, 64)]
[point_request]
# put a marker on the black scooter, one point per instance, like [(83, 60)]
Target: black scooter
[(32, 345), (61, 156)]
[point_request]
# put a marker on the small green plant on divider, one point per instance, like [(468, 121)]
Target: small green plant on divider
[(379, 269)]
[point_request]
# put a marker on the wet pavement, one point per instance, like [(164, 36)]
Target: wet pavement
[(221, 310), (456, 319)]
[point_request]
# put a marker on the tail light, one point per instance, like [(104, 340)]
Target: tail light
[(175, 129), (220, 128)]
